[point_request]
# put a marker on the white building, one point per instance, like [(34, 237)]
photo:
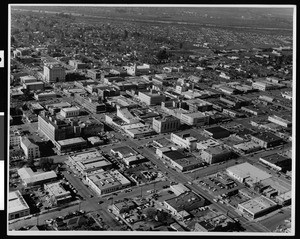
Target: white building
[(30, 178), (247, 173), (30, 149), (195, 118), (151, 98), (184, 140), (14, 138), (54, 73), (70, 112), (104, 182), (280, 121), (17, 206)]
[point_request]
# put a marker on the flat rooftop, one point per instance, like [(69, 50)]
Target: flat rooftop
[(125, 151), (266, 136), (247, 170), (174, 154), (258, 204), (216, 129), (16, 202), (71, 141)]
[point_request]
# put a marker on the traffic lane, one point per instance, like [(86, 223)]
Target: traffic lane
[(183, 179), (136, 191), (79, 185)]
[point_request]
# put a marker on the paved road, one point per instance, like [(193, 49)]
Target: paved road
[(272, 222)]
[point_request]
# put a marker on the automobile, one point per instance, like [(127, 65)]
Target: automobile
[(48, 221)]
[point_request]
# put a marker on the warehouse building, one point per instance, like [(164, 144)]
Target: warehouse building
[(247, 173)]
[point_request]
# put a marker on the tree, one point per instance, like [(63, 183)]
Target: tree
[(46, 163)]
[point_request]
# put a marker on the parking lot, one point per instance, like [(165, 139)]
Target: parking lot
[(218, 184)]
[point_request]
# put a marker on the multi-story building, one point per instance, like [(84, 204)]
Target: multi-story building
[(217, 132), (31, 150), (77, 64), (28, 79), (166, 124), (216, 154), (14, 138), (68, 145), (184, 140), (95, 74), (152, 97), (199, 105), (37, 85), (45, 95), (90, 103), (194, 118), (56, 129), (53, 72)]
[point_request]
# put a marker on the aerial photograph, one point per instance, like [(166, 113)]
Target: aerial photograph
[(163, 119)]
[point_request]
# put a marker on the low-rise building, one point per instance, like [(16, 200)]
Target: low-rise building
[(17, 206), (107, 182), (247, 173), (181, 205), (30, 178), (277, 162), (88, 162), (257, 207), (38, 85), (45, 95), (280, 121), (247, 147), (217, 132), (266, 139), (57, 193)]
